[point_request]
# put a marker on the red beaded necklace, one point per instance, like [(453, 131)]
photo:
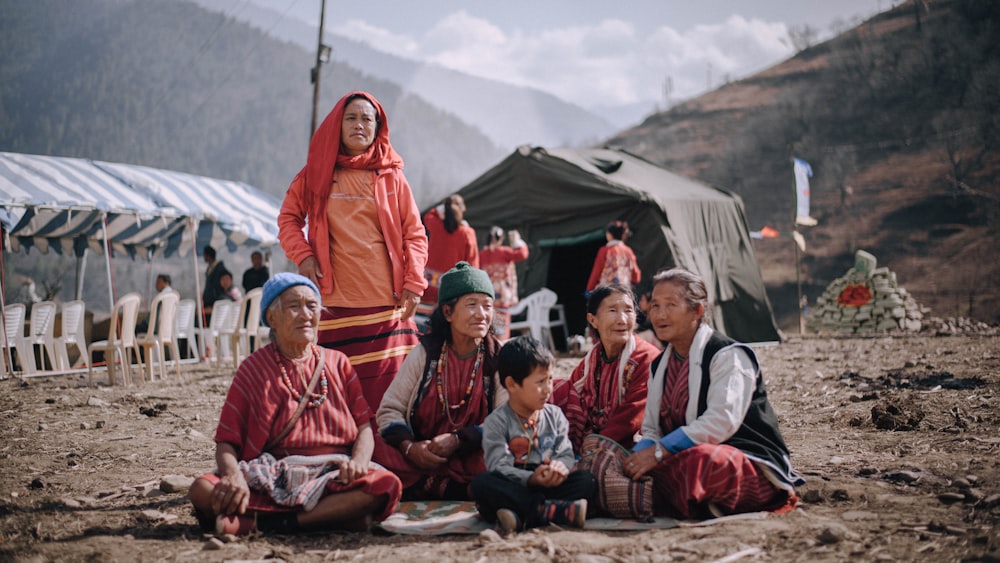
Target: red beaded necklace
[(446, 408), (315, 399)]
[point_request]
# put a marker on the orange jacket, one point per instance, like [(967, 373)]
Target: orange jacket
[(398, 217)]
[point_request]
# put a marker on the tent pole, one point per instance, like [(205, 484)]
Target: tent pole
[(107, 262), (81, 268), (200, 307), (9, 368)]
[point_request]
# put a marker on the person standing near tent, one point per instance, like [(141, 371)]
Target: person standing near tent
[(450, 240), (710, 439), (365, 247), (213, 290), (615, 262), (258, 273), (498, 261)]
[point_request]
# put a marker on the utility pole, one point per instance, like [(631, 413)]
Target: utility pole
[(322, 56)]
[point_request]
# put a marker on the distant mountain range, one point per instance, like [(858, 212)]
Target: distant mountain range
[(509, 115)]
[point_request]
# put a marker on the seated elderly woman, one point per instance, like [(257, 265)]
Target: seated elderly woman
[(294, 440), (710, 438), (606, 393), (431, 414)]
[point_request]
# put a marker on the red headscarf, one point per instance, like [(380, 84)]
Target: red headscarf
[(324, 150)]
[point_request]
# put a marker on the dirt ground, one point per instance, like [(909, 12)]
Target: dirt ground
[(897, 437)]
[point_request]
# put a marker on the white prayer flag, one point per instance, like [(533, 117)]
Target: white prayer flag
[(802, 172)]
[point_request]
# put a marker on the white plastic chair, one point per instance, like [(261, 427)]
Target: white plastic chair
[(72, 333), (214, 335), (41, 332), (121, 339), (245, 340), (536, 308), (185, 330), (160, 333), (14, 333)]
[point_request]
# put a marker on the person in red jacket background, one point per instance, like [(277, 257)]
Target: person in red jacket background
[(615, 262), (450, 240), (498, 260)]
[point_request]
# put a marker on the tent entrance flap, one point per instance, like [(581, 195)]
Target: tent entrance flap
[(590, 236), (569, 269)]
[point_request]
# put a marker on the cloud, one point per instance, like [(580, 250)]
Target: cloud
[(602, 64)]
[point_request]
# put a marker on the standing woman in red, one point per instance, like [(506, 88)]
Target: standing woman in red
[(710, 438), (615, 262), (450, 240), (365, 247), (498, 260)]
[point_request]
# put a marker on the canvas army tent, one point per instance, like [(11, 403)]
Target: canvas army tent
[(561, 200)]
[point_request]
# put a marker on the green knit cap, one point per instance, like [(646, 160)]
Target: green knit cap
[(464, 279)]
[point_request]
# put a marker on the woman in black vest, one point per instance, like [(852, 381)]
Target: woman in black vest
[(710, 438)]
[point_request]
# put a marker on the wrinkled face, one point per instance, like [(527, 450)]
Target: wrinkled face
[(672, 317), (615, 319), (532, 393), (294, 316), (471, 316), (357, 131)]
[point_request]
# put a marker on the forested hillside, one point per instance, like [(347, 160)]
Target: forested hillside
[(899, 120), (171, 85)]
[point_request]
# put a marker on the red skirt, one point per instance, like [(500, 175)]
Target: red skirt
[(376, 341)]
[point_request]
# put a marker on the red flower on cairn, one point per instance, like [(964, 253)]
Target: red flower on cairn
[(854, 295)]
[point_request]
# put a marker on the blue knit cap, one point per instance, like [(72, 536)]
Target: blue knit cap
[(277, 285)]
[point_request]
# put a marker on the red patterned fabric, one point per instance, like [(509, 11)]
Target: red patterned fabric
[(686, 483), (376, 341), (675, 395), (616, 408), (615, 263), (429, 420), (258, 406)]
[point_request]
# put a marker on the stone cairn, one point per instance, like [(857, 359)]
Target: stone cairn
[(866, 300)]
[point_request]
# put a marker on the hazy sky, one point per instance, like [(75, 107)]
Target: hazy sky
[(593, 53)]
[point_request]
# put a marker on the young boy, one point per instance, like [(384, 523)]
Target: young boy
[(528, 453)]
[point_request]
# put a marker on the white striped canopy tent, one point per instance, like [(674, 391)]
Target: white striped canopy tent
[(70, 205)]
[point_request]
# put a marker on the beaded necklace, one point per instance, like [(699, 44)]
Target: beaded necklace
[(530, 428), (315, 399), (446, 408)]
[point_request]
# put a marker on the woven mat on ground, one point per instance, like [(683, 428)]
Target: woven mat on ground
[(440, 517)]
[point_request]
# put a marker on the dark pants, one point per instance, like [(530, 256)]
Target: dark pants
[(492, 491)]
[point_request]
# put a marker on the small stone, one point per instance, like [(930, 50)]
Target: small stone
[(229, 538), (973, 495), (490, 535), (865, 471), (840, 494), (37, 483), (214, 544), (99, 424), (831, 535), (961, 483), (949, 498), (150, 493), (175, 483), (71, 503), (991, 501), (42, 426), (72, 463), (95, 402), (812, 496), (14, 494), (84, 426), (972, 479), (901, 476)]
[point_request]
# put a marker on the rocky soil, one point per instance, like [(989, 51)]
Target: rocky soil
[(897, 437)]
